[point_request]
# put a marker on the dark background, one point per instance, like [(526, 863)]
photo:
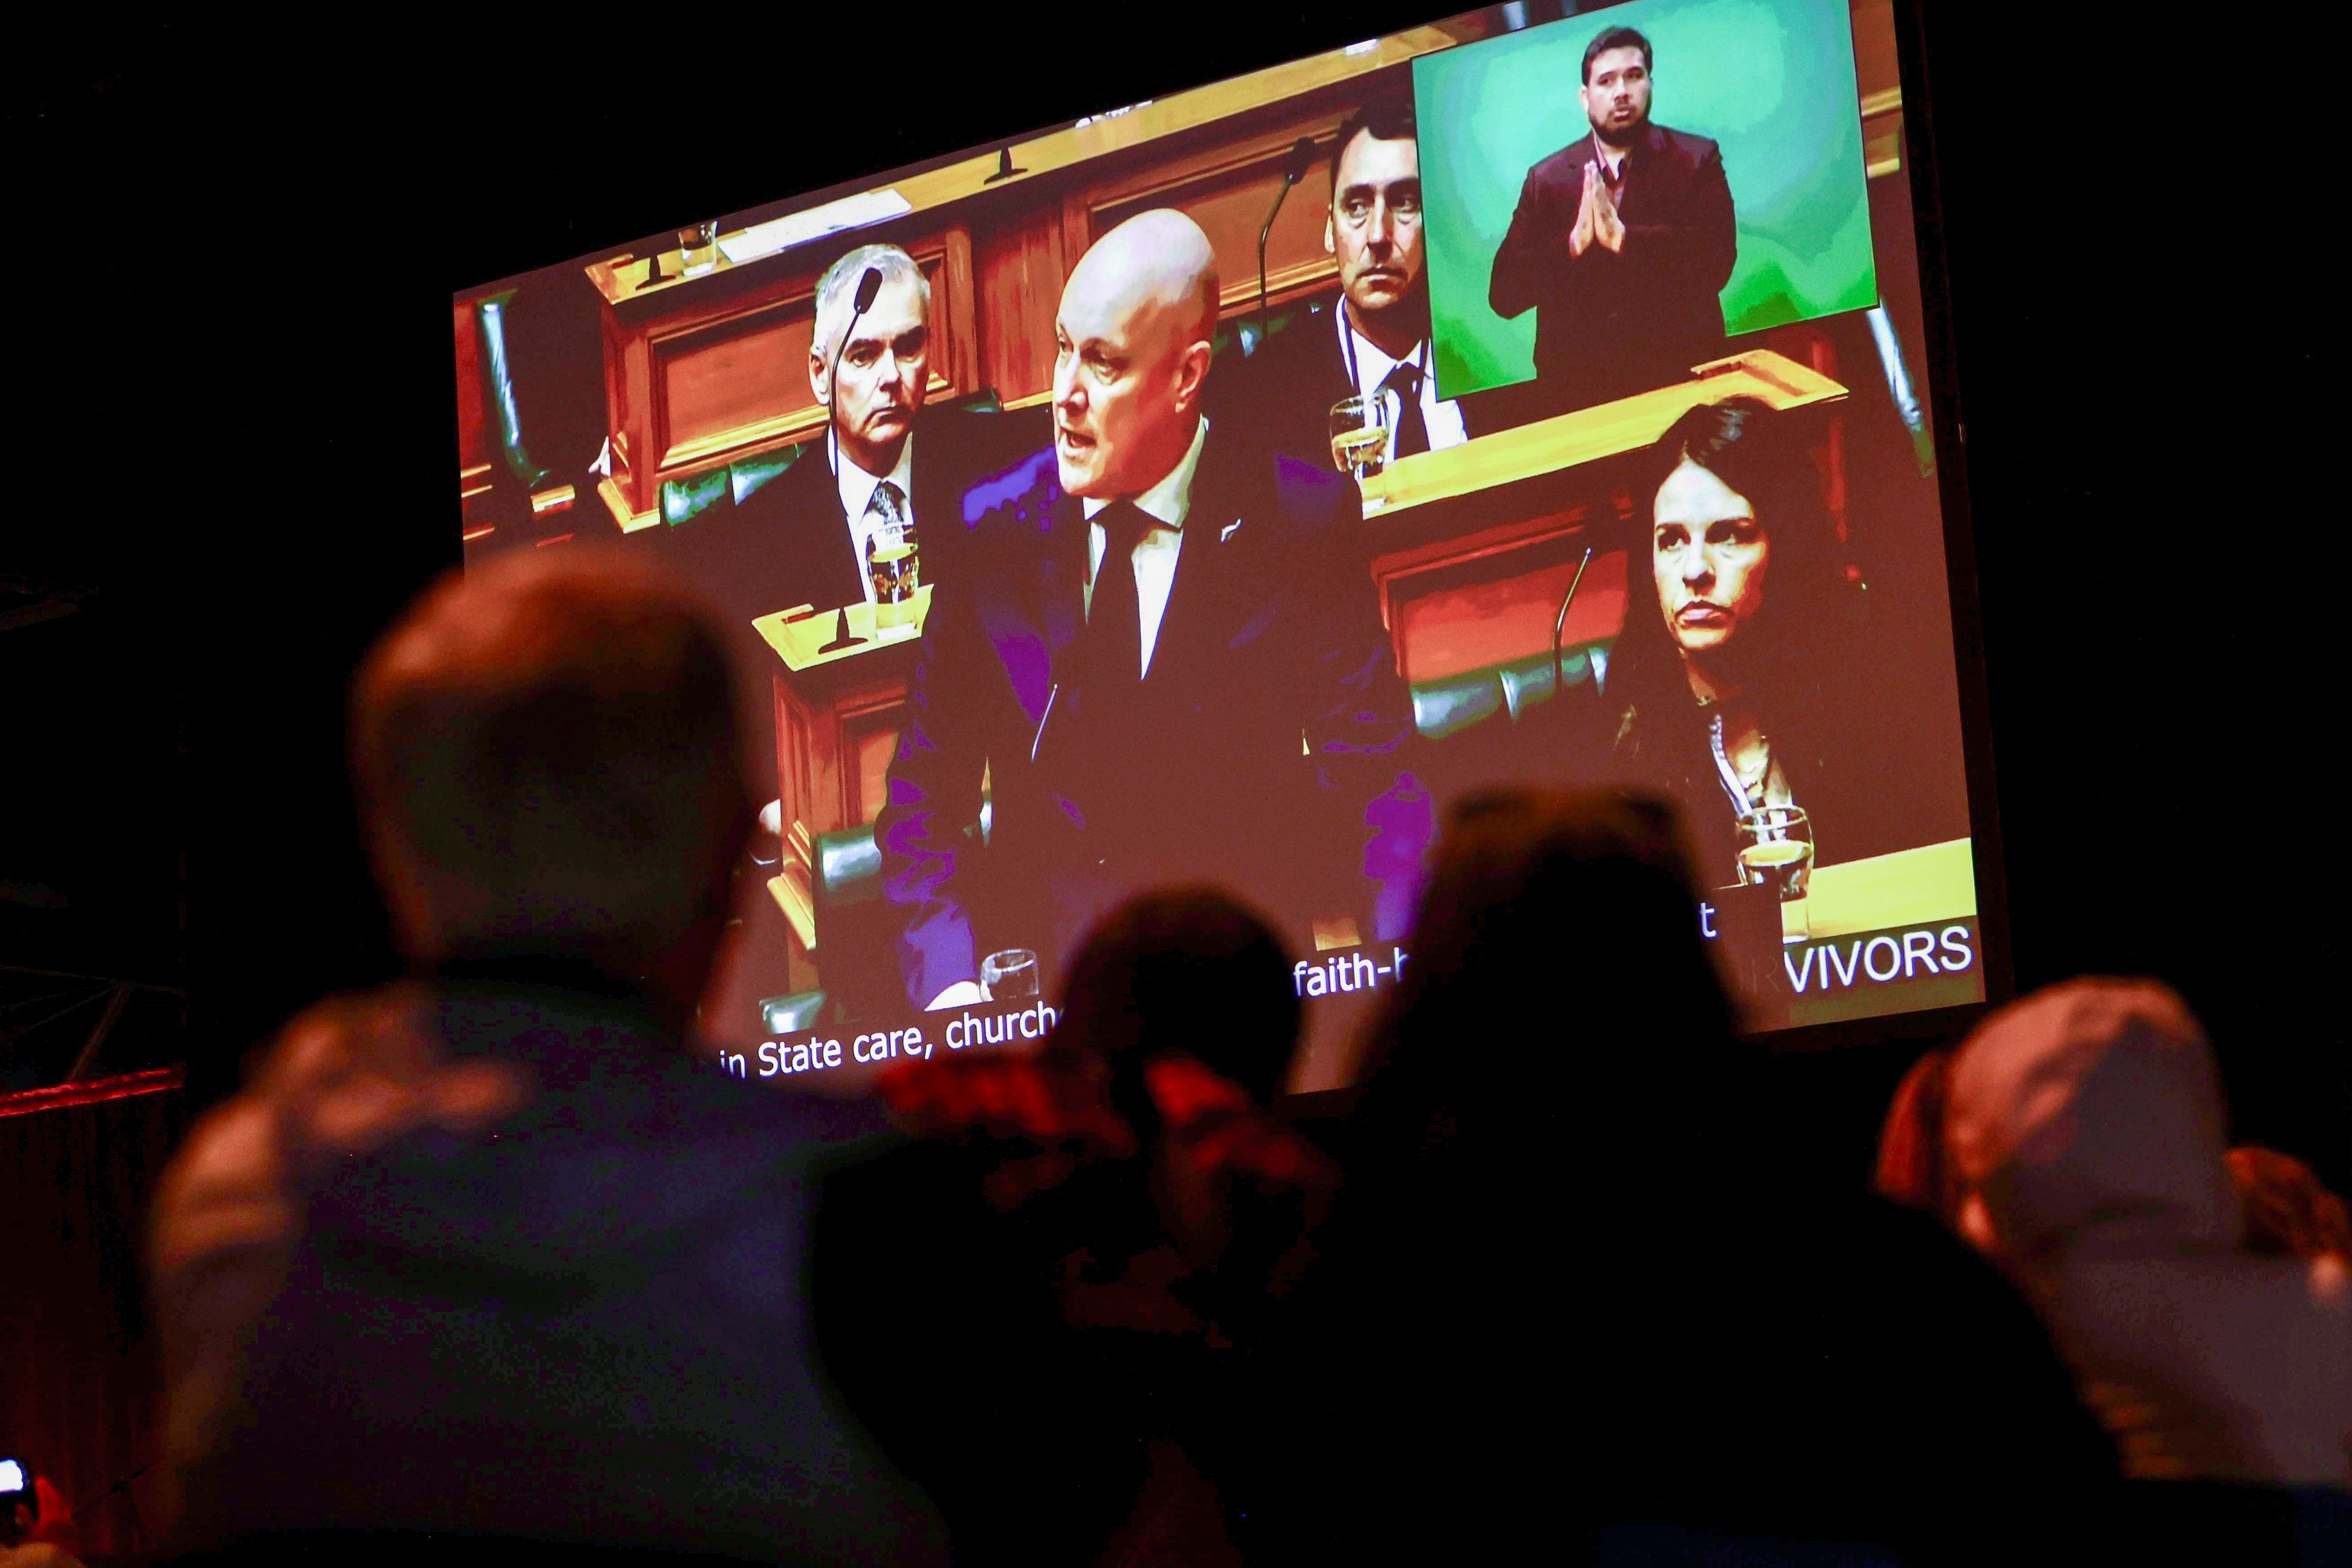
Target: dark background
[(227, 269)]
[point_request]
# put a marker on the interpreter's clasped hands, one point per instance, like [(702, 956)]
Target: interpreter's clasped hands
[(1597, 218)]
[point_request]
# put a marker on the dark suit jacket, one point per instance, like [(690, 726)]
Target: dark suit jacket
[(788, 543), (1282, 395), (1271, 715), (1611, 323)]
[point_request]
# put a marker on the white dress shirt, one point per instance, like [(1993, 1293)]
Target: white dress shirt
[(1372, 366), (857, 487), (1155, 554)]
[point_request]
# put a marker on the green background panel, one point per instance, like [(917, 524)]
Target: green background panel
[(1771, 80)]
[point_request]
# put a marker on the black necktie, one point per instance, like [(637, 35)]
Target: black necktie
[(1411, 429), (1114, 620)]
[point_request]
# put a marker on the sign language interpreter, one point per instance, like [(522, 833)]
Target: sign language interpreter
[(1622, 243)]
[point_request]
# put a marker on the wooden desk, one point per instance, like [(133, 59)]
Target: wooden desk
[(1881, 939), (838, 714), (1908, 888), (1605, 430), (799, 635)]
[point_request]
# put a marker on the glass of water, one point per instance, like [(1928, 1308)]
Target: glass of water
[(1776, 851), (1360, 437), (895, 566), (1010, 975), (699, 248)]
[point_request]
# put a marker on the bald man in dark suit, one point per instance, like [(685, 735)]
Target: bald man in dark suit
[(1160, 657)]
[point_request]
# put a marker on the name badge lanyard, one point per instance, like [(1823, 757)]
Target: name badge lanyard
[(1724, 770)]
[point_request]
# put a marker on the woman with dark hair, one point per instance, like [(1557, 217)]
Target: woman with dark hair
[(1747, 675), (1578, 1290)]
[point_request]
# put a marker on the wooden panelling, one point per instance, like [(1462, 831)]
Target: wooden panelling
[(1878, 82), (1874, 66), (837, 725), (1227, 190), (1508, 617), (1058, 155), (869, 739), (1021, 269), (804, 748), (729, 385), (475, 442)]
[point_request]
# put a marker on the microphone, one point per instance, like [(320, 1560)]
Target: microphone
[(1295, 165), (1559, 622), (868, 287)]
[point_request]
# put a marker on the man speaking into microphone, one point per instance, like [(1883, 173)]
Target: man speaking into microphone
[(1152, 654)]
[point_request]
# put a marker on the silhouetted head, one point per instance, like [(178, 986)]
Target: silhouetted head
[(1558, 1005), (1912, 1169), (549, 766), (2289, 1212), (2088, 1116), (1184, 970)]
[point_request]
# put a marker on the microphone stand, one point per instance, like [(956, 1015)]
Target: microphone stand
[(1302, 157), (1560, 621)]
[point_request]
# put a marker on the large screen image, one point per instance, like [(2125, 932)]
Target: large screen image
[(1220, 488)]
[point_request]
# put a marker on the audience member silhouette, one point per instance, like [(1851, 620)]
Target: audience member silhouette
[(486, 1254), (2289, 1212), (2088, 1148), (1082, 1249), (1911, 1168), (1571, 1289)]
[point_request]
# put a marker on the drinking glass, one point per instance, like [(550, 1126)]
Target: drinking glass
[(699, 245), (1776, 851), (1010, 975), (895, 566), (1360, 437)]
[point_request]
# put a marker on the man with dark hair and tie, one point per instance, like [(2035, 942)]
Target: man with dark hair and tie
[(1621, 244), (1375, 344), (1155, 654)]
